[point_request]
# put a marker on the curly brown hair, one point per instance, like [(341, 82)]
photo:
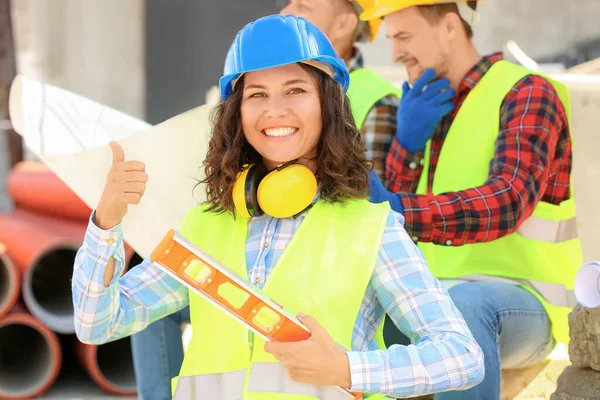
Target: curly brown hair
[(342, 170)]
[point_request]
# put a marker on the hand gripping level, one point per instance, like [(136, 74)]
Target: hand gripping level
[(234, 295)]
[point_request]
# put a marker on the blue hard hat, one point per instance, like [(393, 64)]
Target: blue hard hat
[(277, 40)]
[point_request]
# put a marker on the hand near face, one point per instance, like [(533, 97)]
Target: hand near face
[(421, 110)]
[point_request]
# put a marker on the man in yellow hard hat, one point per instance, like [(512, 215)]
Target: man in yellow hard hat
[(483, 183), (374, 100)]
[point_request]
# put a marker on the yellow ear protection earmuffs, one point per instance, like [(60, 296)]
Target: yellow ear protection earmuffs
[(283, 192)]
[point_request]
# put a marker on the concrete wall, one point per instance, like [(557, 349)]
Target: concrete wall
[(186, 45), (93, 48), (585, 120), (144, 57), (541, 27), (152, 59)]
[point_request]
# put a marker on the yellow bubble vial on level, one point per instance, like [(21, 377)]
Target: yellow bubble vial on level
[(266, 319), (197, 271)]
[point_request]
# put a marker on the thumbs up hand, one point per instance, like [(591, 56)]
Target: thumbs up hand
[(125, 184)]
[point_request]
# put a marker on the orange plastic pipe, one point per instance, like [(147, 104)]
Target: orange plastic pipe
[(32, 185), (72, 229), (109, 365), (10, 283), (69, 228), (31, 356), (45, 259)]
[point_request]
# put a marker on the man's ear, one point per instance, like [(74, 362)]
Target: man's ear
[(451, 25), (345, 26)]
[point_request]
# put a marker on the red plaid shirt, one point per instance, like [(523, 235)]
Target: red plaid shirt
[(532, 163)]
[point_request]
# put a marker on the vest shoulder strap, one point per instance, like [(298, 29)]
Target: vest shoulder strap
[(475, 128), (366, 88)]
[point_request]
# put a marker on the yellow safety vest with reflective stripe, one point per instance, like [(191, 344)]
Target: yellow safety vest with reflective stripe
[(543, 255), (365, 90), (324, 272)]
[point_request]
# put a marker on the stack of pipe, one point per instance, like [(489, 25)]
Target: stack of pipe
[(38, 243)]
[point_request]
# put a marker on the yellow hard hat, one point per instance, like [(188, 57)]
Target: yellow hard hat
[(377, 9), (374, 24)]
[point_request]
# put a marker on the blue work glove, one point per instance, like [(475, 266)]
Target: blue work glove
[(421, 110), (378, 194)]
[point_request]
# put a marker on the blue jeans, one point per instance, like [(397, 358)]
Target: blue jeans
[(157, 355), (508, 322)]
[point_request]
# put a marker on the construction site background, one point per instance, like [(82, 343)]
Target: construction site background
[(154, 59)]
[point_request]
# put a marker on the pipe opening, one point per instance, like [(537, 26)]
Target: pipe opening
[(74, 377), (26, 360), (51, 282), (116, 363), (7, 284)]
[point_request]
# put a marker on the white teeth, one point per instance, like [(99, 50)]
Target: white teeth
[(280, 131)]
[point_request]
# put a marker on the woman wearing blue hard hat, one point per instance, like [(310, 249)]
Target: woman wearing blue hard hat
[(287, 183)]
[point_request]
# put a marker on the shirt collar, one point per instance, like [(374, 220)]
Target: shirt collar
[(473, 77)]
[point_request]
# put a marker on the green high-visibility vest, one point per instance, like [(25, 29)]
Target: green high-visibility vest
[(544, 254), (365, 90), (316, 275)]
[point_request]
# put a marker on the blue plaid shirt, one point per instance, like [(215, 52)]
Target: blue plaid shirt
[(444, 355)]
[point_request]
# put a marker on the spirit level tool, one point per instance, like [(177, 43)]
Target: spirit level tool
[(224, 288)]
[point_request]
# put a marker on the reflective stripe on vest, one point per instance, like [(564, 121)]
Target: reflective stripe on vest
[(365, 90), (273, 378), (312, 276), (264, 378), (224, 386), (544, 254), (550, 231)]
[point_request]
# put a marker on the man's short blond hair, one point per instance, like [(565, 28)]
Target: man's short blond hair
[(434, 14)]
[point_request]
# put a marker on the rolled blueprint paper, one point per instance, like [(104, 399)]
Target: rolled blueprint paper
[(70, 134), (587, 285)]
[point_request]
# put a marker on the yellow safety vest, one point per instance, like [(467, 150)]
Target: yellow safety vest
[(367, 88), (544, 254), (324, 272)]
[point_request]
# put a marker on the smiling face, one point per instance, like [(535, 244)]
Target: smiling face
[(417, 43), (281, 114)]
